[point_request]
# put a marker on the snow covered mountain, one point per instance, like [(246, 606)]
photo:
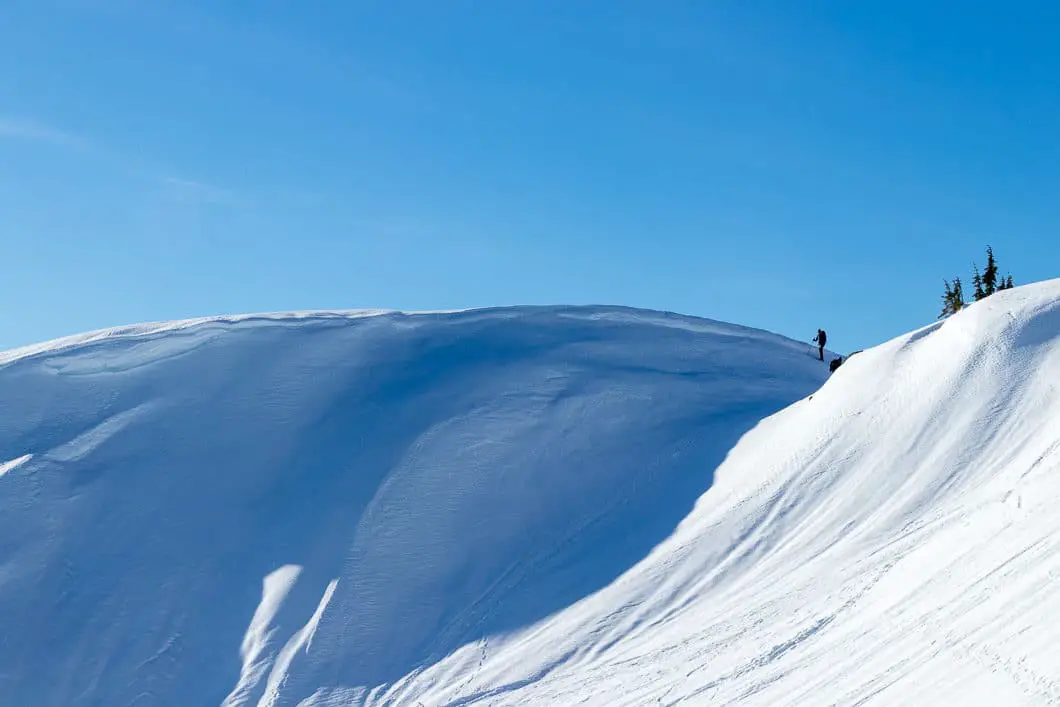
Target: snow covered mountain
[(531, 506)]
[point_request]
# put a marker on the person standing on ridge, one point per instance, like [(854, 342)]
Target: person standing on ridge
[(820, 340)]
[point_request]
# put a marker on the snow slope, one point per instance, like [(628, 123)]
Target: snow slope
[(533, 506), (894, 539), (344, 508)]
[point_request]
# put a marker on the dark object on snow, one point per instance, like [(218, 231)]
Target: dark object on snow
[(839, 361), (820, 340)]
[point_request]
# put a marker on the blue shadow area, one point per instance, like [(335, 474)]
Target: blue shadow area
[(461, 476)]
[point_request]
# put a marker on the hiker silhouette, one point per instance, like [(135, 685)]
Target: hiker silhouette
[(820, 340)]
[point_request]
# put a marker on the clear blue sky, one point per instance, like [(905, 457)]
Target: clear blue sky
[(779, 164)]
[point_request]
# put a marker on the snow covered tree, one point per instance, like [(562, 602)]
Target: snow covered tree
[(990, 273)]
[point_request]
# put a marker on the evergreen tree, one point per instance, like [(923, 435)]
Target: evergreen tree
[(947, 300), (977, 280), (953, 299), (990, 274), (986, 283)]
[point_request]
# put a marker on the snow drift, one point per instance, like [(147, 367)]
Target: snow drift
[(532, 506), (349, 508)]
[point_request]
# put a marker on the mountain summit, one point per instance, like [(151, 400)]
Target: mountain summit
[(544, 505)]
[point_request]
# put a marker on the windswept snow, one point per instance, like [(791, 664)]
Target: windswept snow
[(275, 589), (532, 506), (277, 510), (14, 463)]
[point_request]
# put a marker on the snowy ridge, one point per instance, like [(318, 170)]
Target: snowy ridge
[(287, 509), (534, 506), (156, 328), (892, 540), (149, 329)]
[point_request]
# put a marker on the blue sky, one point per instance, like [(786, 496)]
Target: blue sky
[(779, 164)]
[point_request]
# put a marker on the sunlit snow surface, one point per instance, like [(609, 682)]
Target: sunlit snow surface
[(525, 506)]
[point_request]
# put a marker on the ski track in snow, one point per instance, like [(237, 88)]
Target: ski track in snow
[(592, 506)]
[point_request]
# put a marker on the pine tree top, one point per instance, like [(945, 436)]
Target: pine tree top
[(990, 273), (977, 280)]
